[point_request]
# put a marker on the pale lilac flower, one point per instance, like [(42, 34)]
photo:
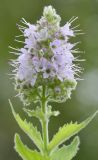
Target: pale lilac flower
[(65, 72), (23, 51), (69, 58), (43, 64), (67, 31), (30, 43), (30, 31), (56, 43), (49, 71), (59, 59), (26, 71)]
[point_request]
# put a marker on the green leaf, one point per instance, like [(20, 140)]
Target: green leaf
[(67, 152), (68, 131), (26, 153), (29, 129)]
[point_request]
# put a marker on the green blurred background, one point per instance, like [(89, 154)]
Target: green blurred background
[(84, 100)]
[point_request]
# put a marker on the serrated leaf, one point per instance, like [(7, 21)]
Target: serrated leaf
[(67, 152), (26, 153), (29, 129), (68, 131)]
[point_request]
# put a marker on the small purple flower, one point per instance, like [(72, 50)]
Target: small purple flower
[(56, 43), (30, 31), (66, 31), (49, 71)]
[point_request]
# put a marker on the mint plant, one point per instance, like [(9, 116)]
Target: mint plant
[(45, 71)]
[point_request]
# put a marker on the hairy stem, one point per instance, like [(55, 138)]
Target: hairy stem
[(44, 121)]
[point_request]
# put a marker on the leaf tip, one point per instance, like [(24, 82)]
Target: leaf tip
[(12, 108), (90, 118)]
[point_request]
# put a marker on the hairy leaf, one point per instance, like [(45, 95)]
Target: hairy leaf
[(26, 153), (68, 131), (29, 129), (67, 152)]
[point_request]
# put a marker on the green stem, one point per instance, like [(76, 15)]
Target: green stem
[(44, 121)]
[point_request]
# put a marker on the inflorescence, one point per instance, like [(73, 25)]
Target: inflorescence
[(46, 59)]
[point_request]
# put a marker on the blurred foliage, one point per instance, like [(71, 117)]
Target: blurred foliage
[(84, 100)]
